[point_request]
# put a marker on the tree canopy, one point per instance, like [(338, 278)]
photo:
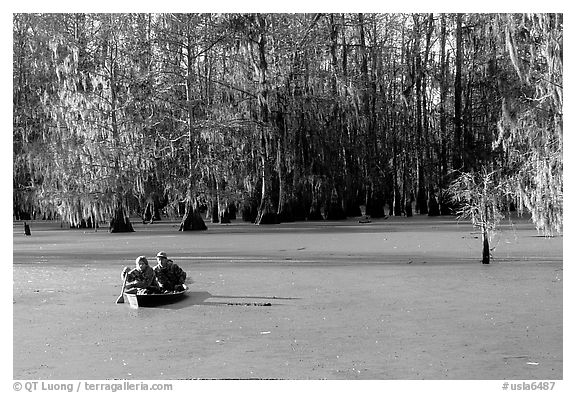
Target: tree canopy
[(282, 116)]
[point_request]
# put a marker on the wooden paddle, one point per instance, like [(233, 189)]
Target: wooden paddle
[(120, 299)]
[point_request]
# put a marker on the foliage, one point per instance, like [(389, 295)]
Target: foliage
[(312, 112), (480, 198), (531, 125)]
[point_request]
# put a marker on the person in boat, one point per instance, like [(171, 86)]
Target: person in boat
[(169, 276), (141, 279)]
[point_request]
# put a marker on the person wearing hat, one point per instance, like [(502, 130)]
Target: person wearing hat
[(141, 279), (169, 276)]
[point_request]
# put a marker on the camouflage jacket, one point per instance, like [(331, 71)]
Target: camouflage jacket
[(170, 276), (141, 279)]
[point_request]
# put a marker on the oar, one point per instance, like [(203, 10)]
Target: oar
[(121, 297)]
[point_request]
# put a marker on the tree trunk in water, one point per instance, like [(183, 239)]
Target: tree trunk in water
[(266, 212), (315, 211), (443, 126), (214, 212), (285, 192), (231, 209), (421, 206), (335, 210), (408, 204), (249, 208), (192, 220), (222, 204), (224, 217), (285, 203), (485, 247), (367, 109), (433, 206), (457, 153), (151, 211), (120, 222), (397, 195), (421, 198)]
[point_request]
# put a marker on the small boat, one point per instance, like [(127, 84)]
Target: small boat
[(365, 219), (154, 299)]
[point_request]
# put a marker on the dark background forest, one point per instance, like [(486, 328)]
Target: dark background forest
[(283, 117)]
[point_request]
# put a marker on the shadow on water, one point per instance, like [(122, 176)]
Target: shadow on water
[(205, 299)]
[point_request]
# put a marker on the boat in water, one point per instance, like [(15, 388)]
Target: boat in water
[(136, 300)]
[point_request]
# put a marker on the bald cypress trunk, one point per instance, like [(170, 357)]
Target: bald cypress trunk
[(120, 222), (267, 214), (485, 249), (457, 162), (192, 219), (485, 240)]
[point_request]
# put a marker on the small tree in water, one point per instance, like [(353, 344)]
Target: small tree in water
[(480, 198)]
